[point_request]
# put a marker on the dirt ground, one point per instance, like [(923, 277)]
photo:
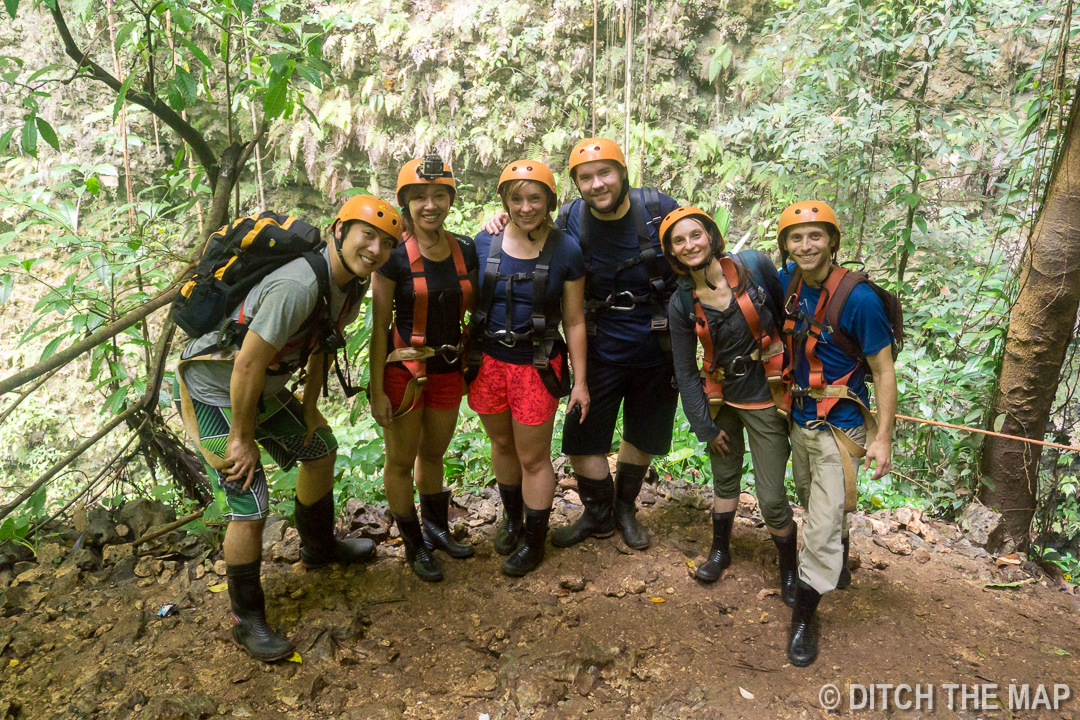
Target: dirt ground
[(599, 631)]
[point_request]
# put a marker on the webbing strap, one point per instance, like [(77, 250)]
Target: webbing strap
[(544, 317), (803, 333), (417, 365)]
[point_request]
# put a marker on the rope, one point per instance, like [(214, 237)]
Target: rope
[(987, 432)]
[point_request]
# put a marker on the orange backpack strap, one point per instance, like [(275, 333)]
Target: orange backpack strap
[(713, 375)]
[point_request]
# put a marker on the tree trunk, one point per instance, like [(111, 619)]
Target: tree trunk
[(1040, 329)]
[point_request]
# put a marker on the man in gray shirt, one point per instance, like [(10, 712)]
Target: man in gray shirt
[(234, 398)]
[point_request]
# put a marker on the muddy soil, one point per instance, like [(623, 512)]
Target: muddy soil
[(599, 631)]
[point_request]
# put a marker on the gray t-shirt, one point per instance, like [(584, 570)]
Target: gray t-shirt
[(274, 309)]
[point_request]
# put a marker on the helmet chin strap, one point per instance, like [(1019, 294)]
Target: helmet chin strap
[(704, 267), (341, 258), (623, 193)]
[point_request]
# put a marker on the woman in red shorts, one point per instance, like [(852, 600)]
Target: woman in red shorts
[(532, 277), (416, 385)]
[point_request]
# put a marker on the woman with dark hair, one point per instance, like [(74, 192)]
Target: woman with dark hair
[(731, 305), (533, 278), (427, 286)]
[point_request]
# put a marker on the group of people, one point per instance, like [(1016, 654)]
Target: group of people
[(637, 284)]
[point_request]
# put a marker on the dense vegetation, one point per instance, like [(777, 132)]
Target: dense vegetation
[(930, 126)]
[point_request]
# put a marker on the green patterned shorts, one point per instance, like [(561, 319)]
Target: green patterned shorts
[(279, 430)]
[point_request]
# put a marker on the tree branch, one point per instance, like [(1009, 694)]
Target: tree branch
[(167, 115)]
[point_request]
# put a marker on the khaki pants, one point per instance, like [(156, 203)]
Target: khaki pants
[(819, 482)]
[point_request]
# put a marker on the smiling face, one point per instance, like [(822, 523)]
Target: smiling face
[(600, 183), (690, 242), (810, 246), (364, 248), (527, 202), (428, 206)]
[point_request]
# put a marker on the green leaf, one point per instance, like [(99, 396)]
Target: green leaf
[(124, 33), (122, 95), (12, 6), (274, 101), (199, 54), (174, 97), (310, 74), (5, 140), (6, 286), (920, 222), (93, 184), (29, 137), (187, 85), (245, 6), (278, 61), (47, 133)]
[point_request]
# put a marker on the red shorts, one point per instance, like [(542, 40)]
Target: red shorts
[(440, 392), (501, 386)]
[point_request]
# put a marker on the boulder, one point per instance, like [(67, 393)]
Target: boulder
[(100, 528), (983, 527), (288, 550), (273, 532), (141, 514), (50, 553)]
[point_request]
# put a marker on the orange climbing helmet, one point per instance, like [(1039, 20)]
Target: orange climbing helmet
[(682, 213), (428, 170), (808, 211), (592, 149), (530, 170), (373, 211)]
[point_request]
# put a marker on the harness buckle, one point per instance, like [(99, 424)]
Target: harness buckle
[(660, 324), (624, 296), (799, 392), (504, 337), (449, 353), (739, 366)]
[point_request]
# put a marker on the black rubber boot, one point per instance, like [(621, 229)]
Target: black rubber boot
[(318, 546), (598, 518), (720, 554), (530, 553), (802, 649), (435, 511), (845, 574), (509, 532), (419, 556), (250, 630), (628, 480), (787, 548)]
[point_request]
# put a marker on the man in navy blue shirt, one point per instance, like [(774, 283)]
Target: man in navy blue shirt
[(830, 404), (627, 287)]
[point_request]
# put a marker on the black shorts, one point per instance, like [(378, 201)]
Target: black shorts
[(651, 397)]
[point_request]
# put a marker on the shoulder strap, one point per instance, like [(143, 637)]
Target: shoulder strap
[(487, 284), (418, 334), (462, 273)]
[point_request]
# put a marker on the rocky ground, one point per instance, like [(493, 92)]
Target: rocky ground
[(599, 631)]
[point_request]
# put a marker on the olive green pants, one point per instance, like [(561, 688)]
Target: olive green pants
[(767, 433)]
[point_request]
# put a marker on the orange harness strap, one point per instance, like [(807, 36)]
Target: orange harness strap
[(416, 362), (771, 351)]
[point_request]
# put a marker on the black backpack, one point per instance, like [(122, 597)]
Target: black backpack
[(236, 257)]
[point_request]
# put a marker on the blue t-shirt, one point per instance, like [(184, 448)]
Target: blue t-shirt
[(622, 337), (567, 264), (864, 319)]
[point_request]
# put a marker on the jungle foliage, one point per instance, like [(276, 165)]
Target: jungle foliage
[(929, 126)]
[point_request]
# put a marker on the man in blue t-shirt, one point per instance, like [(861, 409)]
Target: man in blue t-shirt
[(827, 431), (627, 287)]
